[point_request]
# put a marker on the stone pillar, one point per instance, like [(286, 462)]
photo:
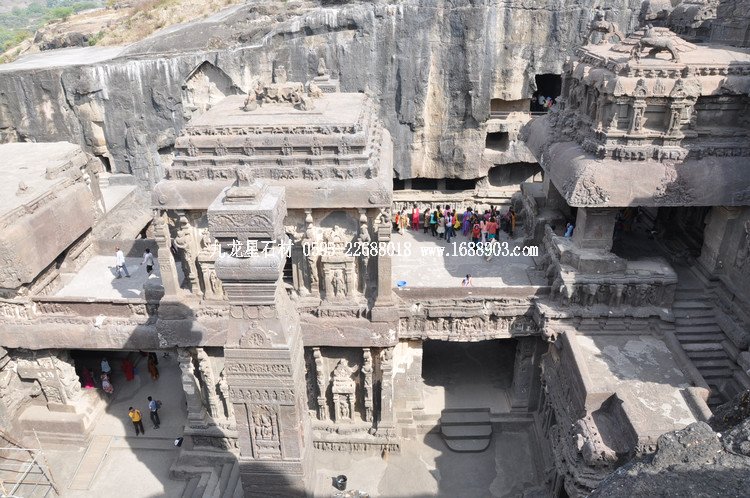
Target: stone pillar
[(552, 198), (263, 354), (525, 374), (56, 376), (167, 268), (367, 383), (322, 384), (594, 228), (716, 236), (211, 398), (384, 309), (196, 412), (386, 390)]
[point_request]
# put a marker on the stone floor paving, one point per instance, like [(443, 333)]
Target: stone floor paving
[(419, 262), (133, 466), (427, 468), (98, 279)]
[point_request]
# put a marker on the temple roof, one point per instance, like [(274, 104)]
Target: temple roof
[(333, 153), (584, 180)]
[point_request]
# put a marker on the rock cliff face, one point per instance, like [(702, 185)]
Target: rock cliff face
[(434, 66)]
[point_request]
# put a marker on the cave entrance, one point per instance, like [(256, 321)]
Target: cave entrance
[(501, 107), (459, 184), (509, 175), (641, 232), (468, 374), (547, 85), (106, 164), (498, 141)]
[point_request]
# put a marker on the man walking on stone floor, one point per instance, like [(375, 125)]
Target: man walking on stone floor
[(135, 417), (153, 408), (120, 262)]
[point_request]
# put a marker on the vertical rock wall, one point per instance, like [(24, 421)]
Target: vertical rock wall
[(433, 65)]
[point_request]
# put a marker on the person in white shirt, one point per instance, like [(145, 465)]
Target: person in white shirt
[(148, 260), (120, 260)]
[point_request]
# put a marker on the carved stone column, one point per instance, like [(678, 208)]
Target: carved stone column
[(263, 354), (196, 416), (384, 308), (310, 255), (367, 382), (167, 268), (594, 228), (209, 384), (386, 389), (720, 223), (56, 377), (322, 384), (525, 370)]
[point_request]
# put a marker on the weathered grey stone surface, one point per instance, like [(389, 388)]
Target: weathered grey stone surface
[(434, 66), (37, 183), (694, 461)]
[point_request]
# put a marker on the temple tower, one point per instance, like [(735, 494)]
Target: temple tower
[(263, 350)]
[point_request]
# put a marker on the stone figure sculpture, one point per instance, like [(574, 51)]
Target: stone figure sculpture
[(600, 25), (185, 243), (656, 43), (338, 283)]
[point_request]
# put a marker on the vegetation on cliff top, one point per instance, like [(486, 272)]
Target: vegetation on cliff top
[(20, 22), (44, 24)]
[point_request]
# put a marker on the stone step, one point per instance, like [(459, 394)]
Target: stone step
[(191, 486), (687, 338), (715, 399), (707, 355), (200, 488), (689, 314), (90, 463), (699, 329), (711, 363), (465, 416), (715, 373), (686, 304), (233, 482), (695, 320), (466, 431), (224, 475), (701, 346), (468, 445)]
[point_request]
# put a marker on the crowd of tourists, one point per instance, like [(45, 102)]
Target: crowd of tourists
[(445, 223)]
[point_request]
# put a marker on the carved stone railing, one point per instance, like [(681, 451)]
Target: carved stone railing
[(84, 307), (622, 285), (468, 314)]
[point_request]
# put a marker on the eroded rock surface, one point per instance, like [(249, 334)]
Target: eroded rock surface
[(694, 461), (434, 66)]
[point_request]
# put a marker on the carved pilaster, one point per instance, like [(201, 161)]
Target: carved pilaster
[(188, 247), (386, 388), (196, 416), (524, 370), (322, 384), (210, 397), (167, 266), (263, 353), (367, 383), (383, 309)]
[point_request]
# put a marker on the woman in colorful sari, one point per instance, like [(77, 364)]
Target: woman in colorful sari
[(466, 219), (415, 218)]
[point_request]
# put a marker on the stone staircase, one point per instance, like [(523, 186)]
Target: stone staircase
[(702, 339), (220, 482), (466, 430)]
